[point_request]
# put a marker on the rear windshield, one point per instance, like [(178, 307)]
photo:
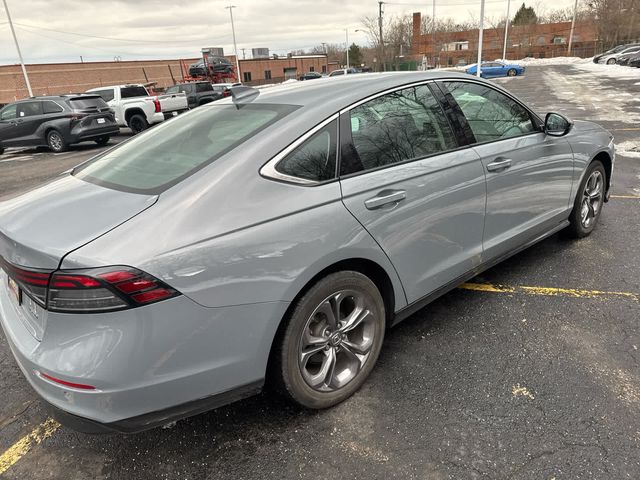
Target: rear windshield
[(130, 92), (86, 103), (164, 155)]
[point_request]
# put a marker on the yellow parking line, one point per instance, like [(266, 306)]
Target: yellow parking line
[(22, 446), (545, 291), (636, 197)]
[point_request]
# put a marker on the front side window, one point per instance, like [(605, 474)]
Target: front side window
[(161, 157), (314, 159), (8, 112), (491, 114), (29, 109), (403, 125)]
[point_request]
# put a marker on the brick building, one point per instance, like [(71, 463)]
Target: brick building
[(537, 40), (58, 78)]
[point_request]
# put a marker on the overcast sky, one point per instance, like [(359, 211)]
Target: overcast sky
[(148, 29)]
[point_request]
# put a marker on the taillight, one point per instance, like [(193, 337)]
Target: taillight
[(226, 93), (156, 103), (33, 282), (76, 117), (104, 289)]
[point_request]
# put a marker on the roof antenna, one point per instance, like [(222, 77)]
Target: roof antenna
[(242, 95)]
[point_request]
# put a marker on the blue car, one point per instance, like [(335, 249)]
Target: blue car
[(496, 69)]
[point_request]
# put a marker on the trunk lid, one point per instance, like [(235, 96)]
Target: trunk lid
[(41, 226), (38, 228)]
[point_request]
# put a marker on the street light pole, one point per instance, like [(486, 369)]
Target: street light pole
[(480, 31), (433, 34), (346, 30), (506, 32), (573, 24), (381, 65), (15, 39), (235, 46)]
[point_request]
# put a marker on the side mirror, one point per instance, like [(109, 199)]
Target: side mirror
[(557, 125)]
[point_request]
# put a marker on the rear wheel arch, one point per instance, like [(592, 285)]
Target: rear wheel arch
[(369, 268), (131, 112)]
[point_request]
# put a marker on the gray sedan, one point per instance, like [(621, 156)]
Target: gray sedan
[(277, 235)]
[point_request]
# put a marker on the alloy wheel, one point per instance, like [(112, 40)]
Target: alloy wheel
[(55, 141), (592, 198), (337, 340)]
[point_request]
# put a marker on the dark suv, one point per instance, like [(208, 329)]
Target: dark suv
[(198, 93), (56, 122), (216, 65)]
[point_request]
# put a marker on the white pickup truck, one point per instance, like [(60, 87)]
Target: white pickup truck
[(136, 109)]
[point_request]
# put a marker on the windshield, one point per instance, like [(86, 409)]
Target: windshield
[(161, 157)]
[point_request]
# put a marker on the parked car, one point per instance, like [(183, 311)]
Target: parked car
[(216, 65), (612, 58), (625, 58), (496, 69), (343, 71), (225, 88), (198, 93), (56, 122), (310, 76), (635, 60), (617, 49), (283, 229), (136, 109)]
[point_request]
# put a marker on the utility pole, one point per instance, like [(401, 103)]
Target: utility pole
[(573, 24), (433, 27), (15, 39), (346, 30), (324, 47), (480, 31), (381, 66), (506, 32), (235, 46)]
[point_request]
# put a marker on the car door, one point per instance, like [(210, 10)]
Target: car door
[(28, 118), (529, 174), (407, 181)]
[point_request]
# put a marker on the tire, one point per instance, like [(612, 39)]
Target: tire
[(55, 141), (1, 150), (137, 123), (611, 61), (512, 72), (587, 206), (302, 361), (102, 141)]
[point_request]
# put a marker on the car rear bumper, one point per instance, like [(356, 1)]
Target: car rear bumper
[(148, 364), (86, 133)]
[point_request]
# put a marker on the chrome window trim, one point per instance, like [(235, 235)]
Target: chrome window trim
[(268, 170), (385, 92)]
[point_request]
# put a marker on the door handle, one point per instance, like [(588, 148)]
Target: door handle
[(385, 197), (499, 164)]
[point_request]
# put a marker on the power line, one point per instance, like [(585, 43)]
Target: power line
[(130, 40)]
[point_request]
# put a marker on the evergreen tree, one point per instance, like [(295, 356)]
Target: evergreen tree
[(525, 16), (355, 55)]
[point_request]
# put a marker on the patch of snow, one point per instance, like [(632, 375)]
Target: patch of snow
[(615, 71), (286, 82), (553, 61), (630, 148)]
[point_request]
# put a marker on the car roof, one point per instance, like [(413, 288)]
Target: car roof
[(341, 91)]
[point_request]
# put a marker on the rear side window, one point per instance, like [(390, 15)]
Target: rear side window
[(29, 109), (403, 125), (314, 159), (130, 92), (161, 157), (87, 103), (203, 87), (51, 107), (107, 95), (172, 90)]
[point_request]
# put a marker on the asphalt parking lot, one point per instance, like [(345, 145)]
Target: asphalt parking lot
[(530, 371)]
